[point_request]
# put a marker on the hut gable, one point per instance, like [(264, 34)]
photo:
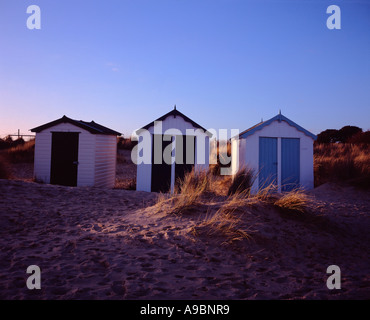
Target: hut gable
[(174, 119), (279, 118)]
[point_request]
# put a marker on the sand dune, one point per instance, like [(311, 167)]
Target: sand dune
[(93, 243)]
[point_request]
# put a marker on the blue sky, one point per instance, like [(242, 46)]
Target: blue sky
[(224, 63)]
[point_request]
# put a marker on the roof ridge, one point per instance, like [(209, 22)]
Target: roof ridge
[(175, 113), (94, 128)]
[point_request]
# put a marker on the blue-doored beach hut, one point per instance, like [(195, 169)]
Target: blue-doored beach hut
[(279, 151)]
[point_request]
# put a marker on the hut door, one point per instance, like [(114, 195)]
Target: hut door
[(64, 158), (267, 161), (185, 159), (161, 172), (290, 150)]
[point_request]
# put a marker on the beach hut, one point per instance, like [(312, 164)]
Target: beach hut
[(168, 148), (279, 151), (75, 153)]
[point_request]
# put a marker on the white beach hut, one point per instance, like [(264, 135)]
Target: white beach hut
[(279, 151), (75, 153), (168, 148)]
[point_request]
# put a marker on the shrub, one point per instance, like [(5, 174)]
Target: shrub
[(22, 153), (4, 144), (4, 168), (345, 134), (121, 158), (360, 138), (342, 163), (125, 143)]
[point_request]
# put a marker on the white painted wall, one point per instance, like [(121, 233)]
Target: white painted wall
[(105, 160), (175, 126), (249, 151), (96, 156)]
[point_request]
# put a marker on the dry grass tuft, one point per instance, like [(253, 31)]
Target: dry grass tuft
[(294, 201), (187, 194), (224, 224), (125, 184), (219, 184), (194, 182)]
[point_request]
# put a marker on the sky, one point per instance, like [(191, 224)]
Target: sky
[(224, 63)]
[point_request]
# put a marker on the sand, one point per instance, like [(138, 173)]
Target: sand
[(93, 243)]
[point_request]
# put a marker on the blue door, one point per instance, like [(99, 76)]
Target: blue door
[(290, 167), (267, 161)]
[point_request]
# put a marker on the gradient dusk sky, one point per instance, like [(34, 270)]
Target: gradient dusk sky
[(224, 63)]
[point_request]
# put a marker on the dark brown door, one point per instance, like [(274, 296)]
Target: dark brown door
[(185, 161), (64, 158), (161, 172)]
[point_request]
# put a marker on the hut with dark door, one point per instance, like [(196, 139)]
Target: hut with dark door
[(168, 148), (75, 153)]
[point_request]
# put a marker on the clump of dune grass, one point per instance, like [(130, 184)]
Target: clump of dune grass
[(22, 153), (176, 203), (187, 193), (219, 185), (294, 201), (227, 224), (242, 181), (194, 182), (224, 225)]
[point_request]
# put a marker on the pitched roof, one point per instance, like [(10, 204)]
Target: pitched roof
[(279, 118), (92, 127), (175, 113)]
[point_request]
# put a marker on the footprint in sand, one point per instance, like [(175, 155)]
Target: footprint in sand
[(191, 267), (118, 287), (281, 280)]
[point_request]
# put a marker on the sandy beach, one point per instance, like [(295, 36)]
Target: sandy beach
[(93, 243)]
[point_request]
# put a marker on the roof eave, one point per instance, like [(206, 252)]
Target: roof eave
[(80, 124)]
